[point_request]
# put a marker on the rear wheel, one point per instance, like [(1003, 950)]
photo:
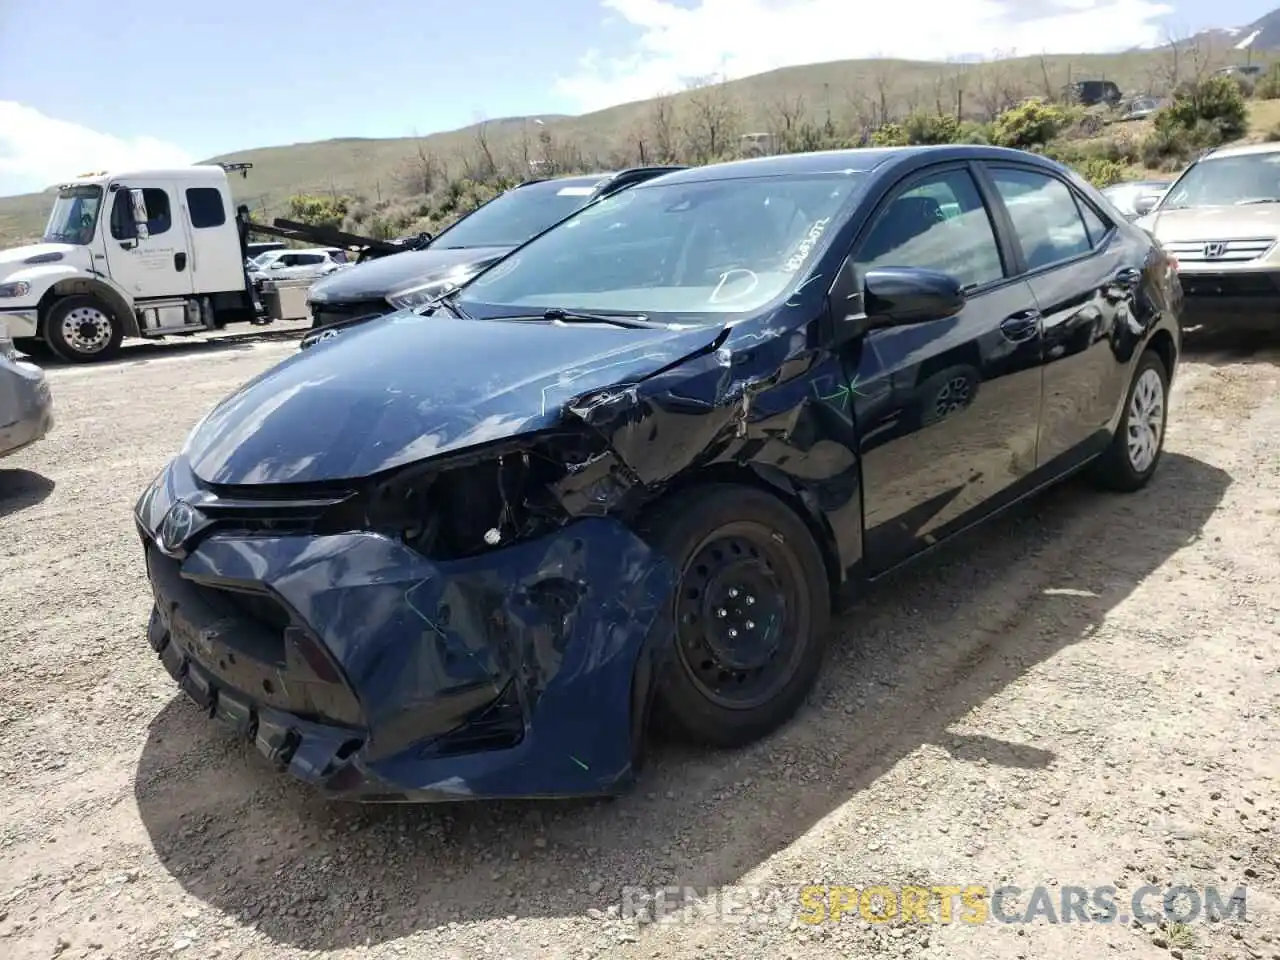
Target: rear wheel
[(1131, 459), (750, 614), (82, 329)]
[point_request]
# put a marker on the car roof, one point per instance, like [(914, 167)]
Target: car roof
[(858, 160)]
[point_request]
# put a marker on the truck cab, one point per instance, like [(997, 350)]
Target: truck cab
[(146, 253)]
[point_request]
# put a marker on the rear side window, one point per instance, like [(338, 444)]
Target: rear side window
[(1097, 227), (1045, 216), (205, 206)]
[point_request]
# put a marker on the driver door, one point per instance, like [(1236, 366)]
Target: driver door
[(947, 411), (158, 265)]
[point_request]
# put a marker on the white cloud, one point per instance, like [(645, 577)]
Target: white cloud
[(738, 38), (37, 151)]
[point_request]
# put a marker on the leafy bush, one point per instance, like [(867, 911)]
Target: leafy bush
[(1030, 124), (889, 135), (1268, 85), (318, 211), (973, 132), (926, 128), (1215, 102), (1100, 171)]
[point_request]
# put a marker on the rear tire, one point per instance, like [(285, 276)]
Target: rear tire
[(1130, 461), (82, 329), (749, 614)]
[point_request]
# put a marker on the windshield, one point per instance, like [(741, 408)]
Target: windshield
[(1227, 180), (697, 249), (74, 216), (517, 215)]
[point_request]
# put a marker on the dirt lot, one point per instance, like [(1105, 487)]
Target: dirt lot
[(1084, 693)]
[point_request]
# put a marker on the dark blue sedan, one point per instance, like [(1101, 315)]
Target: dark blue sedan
[(626, 475)]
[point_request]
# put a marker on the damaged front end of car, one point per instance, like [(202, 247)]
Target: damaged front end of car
[(476, 625)]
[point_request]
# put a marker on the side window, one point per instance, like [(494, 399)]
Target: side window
[(205, 206), (161, 219), (939, 223), (1098, 227), (1045, 216)]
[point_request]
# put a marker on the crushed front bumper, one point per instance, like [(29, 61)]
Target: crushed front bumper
[(376, 674)]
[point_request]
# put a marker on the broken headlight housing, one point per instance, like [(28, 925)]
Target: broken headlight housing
[(460, 506)]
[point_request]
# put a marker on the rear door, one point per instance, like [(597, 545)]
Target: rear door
[(947, 411), (160, 264), (1085, 274)]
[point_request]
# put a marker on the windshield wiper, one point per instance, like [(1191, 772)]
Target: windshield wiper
[(1253, 200), (450, 302), (558, 315)]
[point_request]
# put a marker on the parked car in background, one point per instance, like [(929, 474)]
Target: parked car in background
[(305, 264), (1221, 220), (26, 405), (1126, 195), (255, 249), (416, 276), (627, 472), (1139, 108)]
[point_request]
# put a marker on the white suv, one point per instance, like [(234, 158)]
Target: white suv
[(306, 264)]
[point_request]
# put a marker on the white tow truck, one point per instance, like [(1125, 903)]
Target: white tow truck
[(146, 253)]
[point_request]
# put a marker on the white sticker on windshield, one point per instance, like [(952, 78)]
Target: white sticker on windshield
[(575, 191), (797, 259)]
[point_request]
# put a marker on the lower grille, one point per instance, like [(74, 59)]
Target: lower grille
[(249, 642), (1235, 284), (326, 313)]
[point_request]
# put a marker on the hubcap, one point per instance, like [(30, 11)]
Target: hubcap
[(953, 396), (732, 625), (1146, 420), (86, 330)]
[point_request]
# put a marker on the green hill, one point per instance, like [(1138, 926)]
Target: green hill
[(853, 95)]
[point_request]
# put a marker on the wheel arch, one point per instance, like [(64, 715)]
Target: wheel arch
[(110, 295), (1162, 343)]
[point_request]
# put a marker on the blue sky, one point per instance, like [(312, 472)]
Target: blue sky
[(91, 84)]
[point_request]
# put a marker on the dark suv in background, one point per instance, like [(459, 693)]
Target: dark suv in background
[(492, 230)]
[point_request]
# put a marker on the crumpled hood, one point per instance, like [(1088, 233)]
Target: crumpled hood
[(1214, 223), (407, 387), (398, 271)]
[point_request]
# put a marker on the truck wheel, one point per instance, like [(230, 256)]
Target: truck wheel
[(82, 329), (749, 614)]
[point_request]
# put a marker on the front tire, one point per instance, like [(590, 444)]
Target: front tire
[(749, 612), (83, 329), (1130, 461)]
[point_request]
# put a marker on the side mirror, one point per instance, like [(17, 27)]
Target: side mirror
[(1145, 204), (138, 203), (902, 295)]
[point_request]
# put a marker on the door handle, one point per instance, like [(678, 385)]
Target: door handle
[(1129, 276), (179, 261), (1021, 326)]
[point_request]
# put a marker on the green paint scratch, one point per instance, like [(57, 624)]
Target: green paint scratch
[(578, 762)]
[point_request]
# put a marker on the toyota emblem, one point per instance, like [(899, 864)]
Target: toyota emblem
[(177, 526)]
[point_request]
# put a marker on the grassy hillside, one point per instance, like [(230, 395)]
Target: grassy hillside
[(845, 96)]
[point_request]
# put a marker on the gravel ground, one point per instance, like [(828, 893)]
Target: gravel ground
[(1083, 693)]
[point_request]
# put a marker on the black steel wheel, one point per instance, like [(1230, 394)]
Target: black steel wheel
[(749, 614)]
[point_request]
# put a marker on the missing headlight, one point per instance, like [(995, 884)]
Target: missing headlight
[(476, 503)]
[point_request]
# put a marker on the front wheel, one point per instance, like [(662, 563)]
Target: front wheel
[(1131, 459), (750, 613), (82, 329)]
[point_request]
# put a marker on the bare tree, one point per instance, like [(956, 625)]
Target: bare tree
[(862, 113), (422, 172), (882, 86), (785, 117), (663, 130), (479, 164), (997, 87), (711, 119)]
